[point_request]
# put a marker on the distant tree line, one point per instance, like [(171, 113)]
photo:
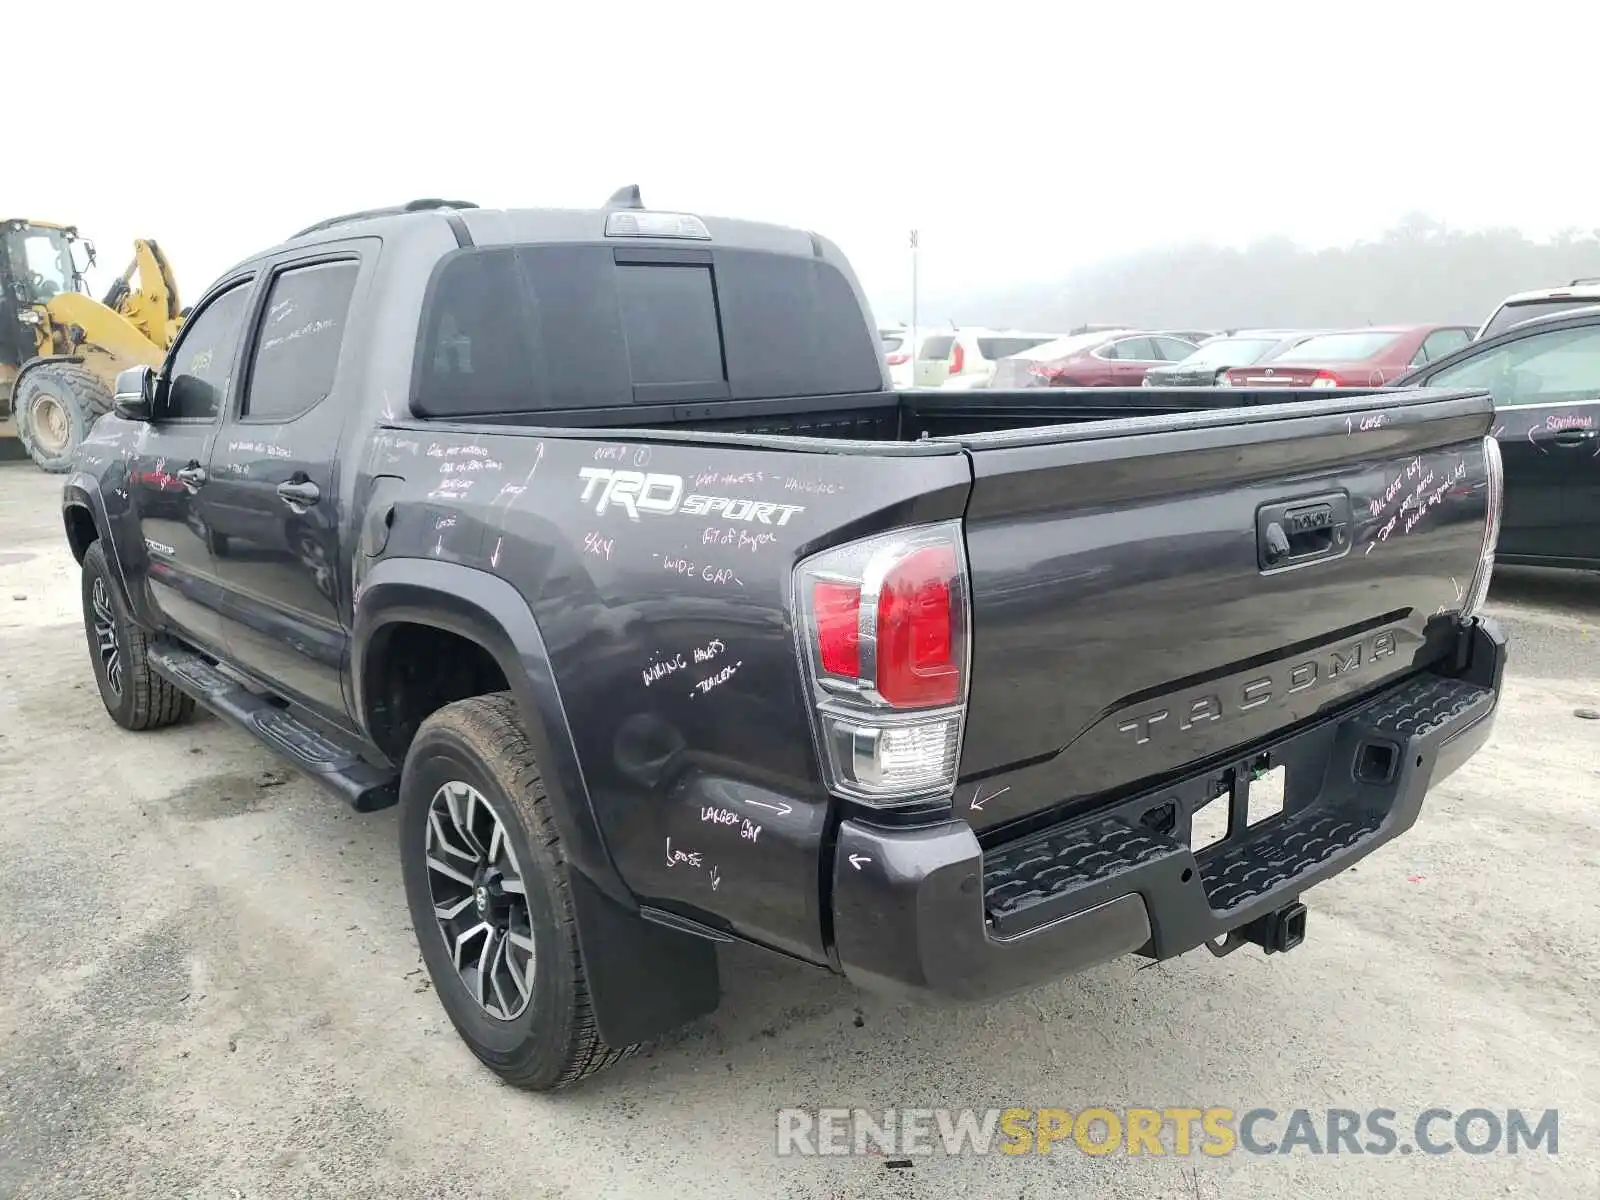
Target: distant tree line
[(1420, 270)]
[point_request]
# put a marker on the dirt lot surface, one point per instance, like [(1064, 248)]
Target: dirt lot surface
[(209, 985)]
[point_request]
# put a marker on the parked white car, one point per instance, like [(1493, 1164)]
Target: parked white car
[(1580, 293), (895, 341), (965, 357)]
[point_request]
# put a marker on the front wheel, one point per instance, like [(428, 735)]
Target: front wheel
[(134, 695), (486, 883)]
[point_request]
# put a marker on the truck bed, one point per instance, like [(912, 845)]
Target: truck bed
[(911, 415)]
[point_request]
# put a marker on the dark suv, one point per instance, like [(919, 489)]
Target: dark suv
[(1544, 375)]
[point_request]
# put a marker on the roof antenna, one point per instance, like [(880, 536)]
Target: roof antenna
[(626, 197)]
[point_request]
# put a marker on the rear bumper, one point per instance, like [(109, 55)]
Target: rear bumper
[(928, 913)]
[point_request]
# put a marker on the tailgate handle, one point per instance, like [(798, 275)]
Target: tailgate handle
[(1293, 532)]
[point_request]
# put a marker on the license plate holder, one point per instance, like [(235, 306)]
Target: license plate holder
[(1223, 818)]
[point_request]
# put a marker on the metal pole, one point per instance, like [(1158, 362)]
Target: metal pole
[(914, 308)]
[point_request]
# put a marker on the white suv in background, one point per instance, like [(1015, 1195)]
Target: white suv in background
[(965, 357), (1580, 293)]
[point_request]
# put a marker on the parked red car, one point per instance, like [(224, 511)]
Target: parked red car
[(1353, 357), (1099, 359)]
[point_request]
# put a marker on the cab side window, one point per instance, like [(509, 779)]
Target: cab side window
[(202, 362), (1545, 368)]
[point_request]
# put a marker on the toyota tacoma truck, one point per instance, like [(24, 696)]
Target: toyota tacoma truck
[(599, 542)]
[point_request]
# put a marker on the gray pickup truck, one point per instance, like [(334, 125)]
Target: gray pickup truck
[(599, 542)]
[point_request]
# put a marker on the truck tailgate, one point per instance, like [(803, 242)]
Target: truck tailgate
[(1157, 593)]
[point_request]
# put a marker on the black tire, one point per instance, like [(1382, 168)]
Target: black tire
[(135, 696), (56, 405), (553, 1042)]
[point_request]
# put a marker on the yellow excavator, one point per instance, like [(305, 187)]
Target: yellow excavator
[(60, 348)]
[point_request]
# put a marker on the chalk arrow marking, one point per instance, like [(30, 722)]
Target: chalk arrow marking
[(857, 859), (979, 800), (783, 810)]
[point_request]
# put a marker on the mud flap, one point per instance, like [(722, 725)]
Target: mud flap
[(644, 979)]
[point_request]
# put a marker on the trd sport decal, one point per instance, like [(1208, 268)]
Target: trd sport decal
[(636, 492)]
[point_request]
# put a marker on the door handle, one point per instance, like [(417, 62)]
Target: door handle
[(193, 475), (1573, 437), (299, 491)]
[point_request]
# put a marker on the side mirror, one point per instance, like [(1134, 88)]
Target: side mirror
[(88, 255), (134, 398)]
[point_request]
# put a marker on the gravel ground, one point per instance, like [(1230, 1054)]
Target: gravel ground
[(209, 986)]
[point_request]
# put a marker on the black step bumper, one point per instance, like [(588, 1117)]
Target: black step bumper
[(928, 913)]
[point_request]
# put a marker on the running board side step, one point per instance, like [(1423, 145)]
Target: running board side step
[(337, 766)]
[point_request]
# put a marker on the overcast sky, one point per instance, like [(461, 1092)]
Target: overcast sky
[(1020, 139)]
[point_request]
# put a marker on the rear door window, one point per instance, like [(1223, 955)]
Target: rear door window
[(297, 349), (1173, 349), (1561, 366), (1135, 349), (936, 349)]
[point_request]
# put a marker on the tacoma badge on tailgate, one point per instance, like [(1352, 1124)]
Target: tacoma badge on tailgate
[(1231, 697)]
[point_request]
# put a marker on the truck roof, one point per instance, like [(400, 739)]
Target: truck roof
[(501, 226), (623, 219)]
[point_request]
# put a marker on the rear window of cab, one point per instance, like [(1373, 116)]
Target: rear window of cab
[(507, 330)]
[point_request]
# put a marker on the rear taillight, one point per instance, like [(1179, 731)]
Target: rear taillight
[(899, 360), (883, 627), (1224, 380), (1324, 379), (1479, 591), (958, 358), (919, 644), (836, 610)]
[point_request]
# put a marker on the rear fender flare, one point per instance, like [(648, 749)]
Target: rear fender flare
[(485, 609)]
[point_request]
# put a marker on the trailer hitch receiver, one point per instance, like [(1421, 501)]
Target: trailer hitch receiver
[(1279, 931)]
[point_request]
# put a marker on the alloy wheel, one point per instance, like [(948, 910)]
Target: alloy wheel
[(479, 900), (105, 635)]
